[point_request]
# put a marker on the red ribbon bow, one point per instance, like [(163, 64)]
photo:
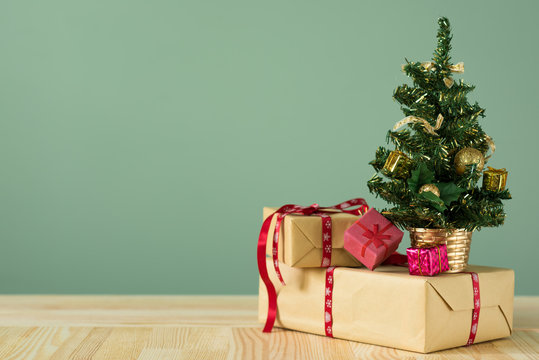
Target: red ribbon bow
[(314, 209), (375, 236)]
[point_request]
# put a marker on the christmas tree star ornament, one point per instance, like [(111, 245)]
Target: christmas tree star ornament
[(468, 157), (494, 179)]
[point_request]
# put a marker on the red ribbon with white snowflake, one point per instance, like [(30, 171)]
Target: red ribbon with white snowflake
[(476, 308), (328, 312), (314, 209)]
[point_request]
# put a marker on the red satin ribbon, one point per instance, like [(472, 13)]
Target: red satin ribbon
[(375, 237), (476, 308), (314, 209), (396, 259)]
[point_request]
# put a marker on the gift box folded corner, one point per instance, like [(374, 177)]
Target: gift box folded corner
[(496, 288)]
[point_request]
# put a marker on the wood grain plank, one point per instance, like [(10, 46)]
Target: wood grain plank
[(187, 343), (35, 342), (160, 354), (95, 311), (76, 336), (248, 344), (294, 345), (9, 335), (206, 343), (499, 350), (104, 310), (11, 339), (172, 327), (165, 343), (235, 343), (90, 344), (27, 344), (124, 343)]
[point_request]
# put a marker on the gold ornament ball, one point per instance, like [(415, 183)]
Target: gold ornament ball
[(430, 187), (468, 156)]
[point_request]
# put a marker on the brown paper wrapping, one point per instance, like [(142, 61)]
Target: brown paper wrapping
[(300, 239), (391, 308)]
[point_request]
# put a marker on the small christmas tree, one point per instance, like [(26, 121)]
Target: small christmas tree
[(432, 175)]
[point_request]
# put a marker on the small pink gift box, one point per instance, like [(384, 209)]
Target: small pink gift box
[(427, 261), (372, 238)]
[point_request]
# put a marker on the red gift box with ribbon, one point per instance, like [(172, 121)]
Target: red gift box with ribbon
[(372, 239)]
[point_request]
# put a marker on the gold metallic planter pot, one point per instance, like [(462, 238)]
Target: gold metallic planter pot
[(458, 244)]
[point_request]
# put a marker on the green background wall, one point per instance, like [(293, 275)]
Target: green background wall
[(139, 140)]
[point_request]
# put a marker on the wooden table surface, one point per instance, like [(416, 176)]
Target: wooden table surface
[(201, 327)]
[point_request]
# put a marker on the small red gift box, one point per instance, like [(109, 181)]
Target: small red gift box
[(372, 238), (427, 261)]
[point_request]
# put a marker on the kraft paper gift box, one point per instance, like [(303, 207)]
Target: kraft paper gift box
[(391, 308), (300, 239)]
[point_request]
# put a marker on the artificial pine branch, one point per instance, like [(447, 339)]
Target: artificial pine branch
[(380, 158)]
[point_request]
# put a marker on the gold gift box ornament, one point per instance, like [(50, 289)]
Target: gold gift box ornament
[(397, 165), (494, 179)]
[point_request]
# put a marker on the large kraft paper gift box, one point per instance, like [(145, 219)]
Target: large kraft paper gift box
[(391, 308), (300, 239)]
